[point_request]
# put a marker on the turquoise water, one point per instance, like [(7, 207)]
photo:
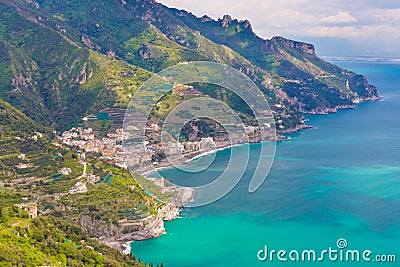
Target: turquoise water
[(339, 180)]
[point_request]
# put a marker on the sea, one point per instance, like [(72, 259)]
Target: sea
[(333, 190)]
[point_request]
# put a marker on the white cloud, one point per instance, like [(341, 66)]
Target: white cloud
[(380, 16), (340, 17), (366, 32)]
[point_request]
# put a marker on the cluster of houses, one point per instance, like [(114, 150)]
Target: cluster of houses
[(109, 147), (190, 146), (151, 150)]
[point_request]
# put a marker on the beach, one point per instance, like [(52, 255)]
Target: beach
[(191, 156)]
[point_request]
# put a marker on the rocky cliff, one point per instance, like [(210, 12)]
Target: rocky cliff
[(302, 47)]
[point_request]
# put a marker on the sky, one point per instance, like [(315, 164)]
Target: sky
[(369, 28)]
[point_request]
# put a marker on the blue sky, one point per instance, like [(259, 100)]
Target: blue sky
[(337, 28)]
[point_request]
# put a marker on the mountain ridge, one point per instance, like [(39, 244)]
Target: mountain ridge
[(154, 37)]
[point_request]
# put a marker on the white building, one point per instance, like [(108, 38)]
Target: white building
[(207, 142), (91, 179), (79, 187), (173, 149), (65, 171)]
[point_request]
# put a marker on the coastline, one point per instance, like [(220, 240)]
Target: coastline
[(189, 157), (156, 229), (215, 150), (147, 173)]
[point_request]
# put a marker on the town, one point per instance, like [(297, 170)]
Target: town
[(151, 152)]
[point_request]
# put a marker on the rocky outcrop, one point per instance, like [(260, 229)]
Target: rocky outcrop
[(118, 236), (359, 84), (184, 195), (99, 228), (326, 111), (155, 228), (144, 52), (226, 21), (246, 24), (267, 47), (170, 213), (304, 47), (87, 41), (292, 130), (206, 18), (152, 231)]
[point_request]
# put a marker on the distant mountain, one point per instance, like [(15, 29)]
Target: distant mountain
[(61, 60)]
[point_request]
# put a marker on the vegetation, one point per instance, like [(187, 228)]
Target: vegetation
[(52, 241), (93, 62), (106, 202), (63, 60), (56, 238)]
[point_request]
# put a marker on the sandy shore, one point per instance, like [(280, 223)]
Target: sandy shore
[(221, 148), (189, 156), (146, 173)]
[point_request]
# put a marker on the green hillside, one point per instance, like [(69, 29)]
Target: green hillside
[(13, 120), (48, 58), (49, 241), (30, 165)]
